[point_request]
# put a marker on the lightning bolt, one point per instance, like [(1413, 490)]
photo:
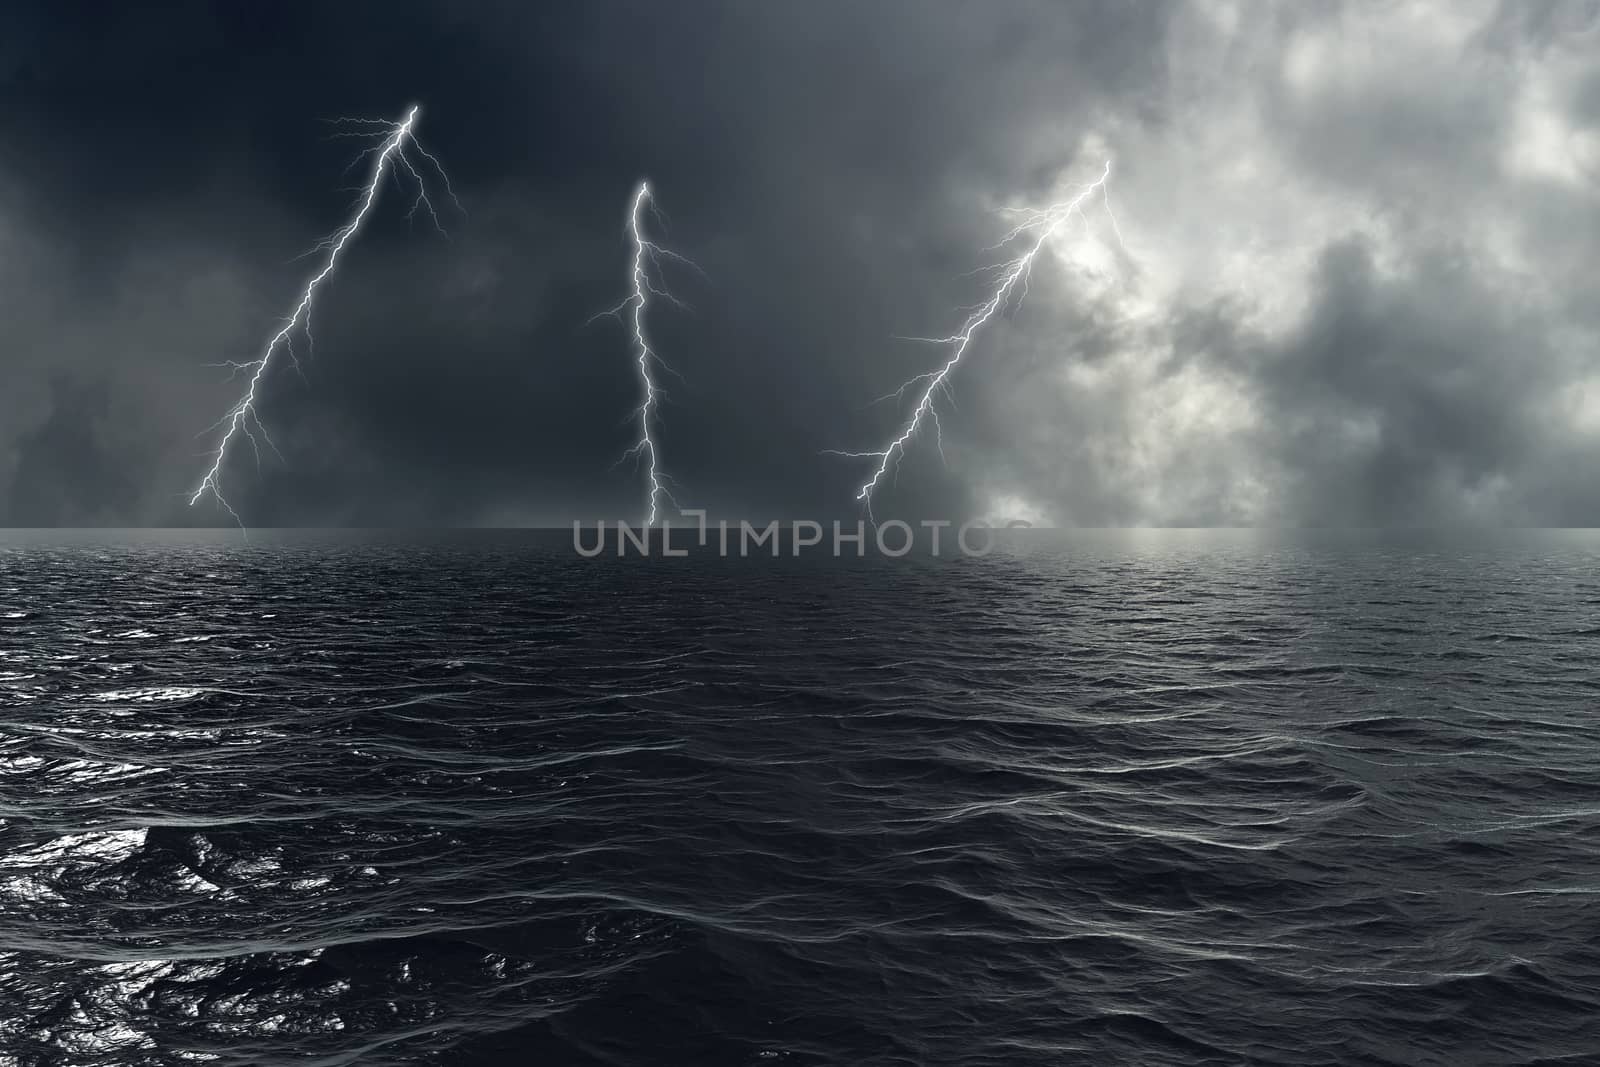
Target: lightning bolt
[(242, 420), (1011, 287), (648, 256)]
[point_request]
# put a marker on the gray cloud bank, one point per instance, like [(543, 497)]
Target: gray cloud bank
[(1354, 285)]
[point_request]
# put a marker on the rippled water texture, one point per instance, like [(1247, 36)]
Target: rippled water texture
[(1146, 799)]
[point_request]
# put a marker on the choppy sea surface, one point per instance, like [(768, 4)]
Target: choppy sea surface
[(1158, 798)]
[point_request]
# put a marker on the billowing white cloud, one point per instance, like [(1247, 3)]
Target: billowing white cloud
[(1350, 231)]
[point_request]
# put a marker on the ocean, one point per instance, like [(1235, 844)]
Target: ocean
[(1166, 797)]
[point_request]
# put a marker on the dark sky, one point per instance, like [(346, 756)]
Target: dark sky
[(1355, 286)]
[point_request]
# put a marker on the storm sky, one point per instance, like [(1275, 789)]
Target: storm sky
[(1356, 282)]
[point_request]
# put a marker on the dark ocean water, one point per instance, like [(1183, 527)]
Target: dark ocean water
[(1171, 798)]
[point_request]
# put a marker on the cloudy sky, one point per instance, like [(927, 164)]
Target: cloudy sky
[(1355, 284)]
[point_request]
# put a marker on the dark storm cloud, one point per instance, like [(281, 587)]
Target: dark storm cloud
[(809, 157), (65, 451), (1416, 399), (831, 167)]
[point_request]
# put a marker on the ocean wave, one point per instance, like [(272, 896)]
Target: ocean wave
[(484, 803)]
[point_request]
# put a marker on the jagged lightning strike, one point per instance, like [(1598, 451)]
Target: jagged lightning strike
[(1011, 284), (397, 138), (647, 254)]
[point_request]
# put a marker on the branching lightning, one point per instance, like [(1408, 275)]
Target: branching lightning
[(648, 256), (1011, 287), (397, 139)]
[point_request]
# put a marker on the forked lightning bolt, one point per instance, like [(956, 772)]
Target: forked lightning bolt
[(1011, 278), (647, 257), (391, 152)]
